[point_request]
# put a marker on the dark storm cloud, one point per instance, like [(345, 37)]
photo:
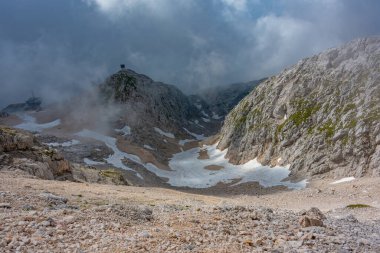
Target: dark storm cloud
[(55, 47)]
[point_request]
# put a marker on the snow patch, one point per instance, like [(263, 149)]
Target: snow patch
[(30, 124), (183, 142), (197, 136), (118, 156), (91, 162), (205, 114), (63, 144), (188, 170), (149, 147), (167, 134), (346, 179), (216, 116), (205, 120), (125, 130)]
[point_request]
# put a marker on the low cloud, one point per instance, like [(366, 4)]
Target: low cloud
[(43, 70), (57, 47)]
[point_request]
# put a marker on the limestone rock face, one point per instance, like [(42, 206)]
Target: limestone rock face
[(321, 116), (20, 150)]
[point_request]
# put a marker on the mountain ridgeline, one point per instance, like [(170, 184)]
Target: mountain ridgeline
[(146, 103), (321, 116)]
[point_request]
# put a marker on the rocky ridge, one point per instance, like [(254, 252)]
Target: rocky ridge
[(20, 150), (321, 116), (146, 104)]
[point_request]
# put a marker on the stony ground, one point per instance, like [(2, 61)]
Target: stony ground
[(50, 216)]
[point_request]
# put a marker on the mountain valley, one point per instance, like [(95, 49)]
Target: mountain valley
[(289, 163)]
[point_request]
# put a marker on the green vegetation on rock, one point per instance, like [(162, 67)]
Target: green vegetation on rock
[(114, 175), (304, 110), (353, 206), (328, 128)]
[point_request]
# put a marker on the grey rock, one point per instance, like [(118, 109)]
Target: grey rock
[(5, 205), (145, 234), (323, 111), (22, 151), (53, 199), (28, 207)]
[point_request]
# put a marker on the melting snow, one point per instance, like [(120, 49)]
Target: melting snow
[(125, 130), (205, 114), (183, 142), (197, 123), (188, 170), (216, 116), (30, 124), (63, 144), (167, 134), (116, 158), (149, 147), (346, 179), (91, 162), (197, 136)]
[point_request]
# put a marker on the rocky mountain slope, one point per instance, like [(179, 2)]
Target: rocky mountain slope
[(222, 99), (321, 116), (147, 104)]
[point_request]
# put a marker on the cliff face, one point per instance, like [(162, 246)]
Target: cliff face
[(321, 116)]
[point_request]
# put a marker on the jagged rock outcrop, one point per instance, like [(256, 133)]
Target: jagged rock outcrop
[(20, 150), (321, 116)]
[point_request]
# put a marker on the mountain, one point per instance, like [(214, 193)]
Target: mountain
[(223, 99), (32, 104), (129, 122), (321, 116), (217, 102), (146, 103)]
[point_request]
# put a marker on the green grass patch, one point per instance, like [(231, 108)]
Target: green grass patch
[(114, 175), (328, 128), (354, 206), (349, 107)]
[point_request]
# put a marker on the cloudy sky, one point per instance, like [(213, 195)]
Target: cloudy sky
[(55, 48)]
